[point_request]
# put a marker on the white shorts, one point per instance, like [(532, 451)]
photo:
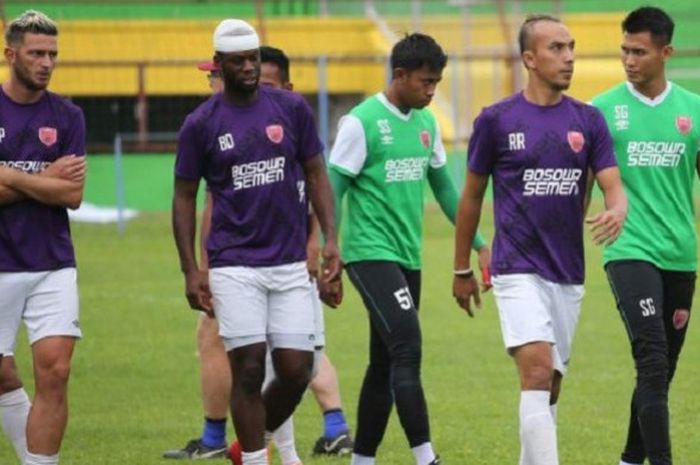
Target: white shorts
[(272, 304), (47, 301), (533, 309)]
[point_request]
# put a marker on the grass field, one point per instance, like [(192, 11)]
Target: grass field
[(134, 389)]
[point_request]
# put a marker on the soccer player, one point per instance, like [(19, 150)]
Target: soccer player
[(651, 267), (258, 150), (336, 439), (215, 373), (538, 146), (385, 150), (42, 172)]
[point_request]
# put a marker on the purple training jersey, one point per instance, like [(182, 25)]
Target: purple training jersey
[(251, 157), (539, 157), (35, 236)]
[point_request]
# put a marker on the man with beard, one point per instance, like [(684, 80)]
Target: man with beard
[(258, 150), (42, 172)]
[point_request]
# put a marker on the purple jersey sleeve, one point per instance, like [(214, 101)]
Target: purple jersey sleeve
[(75, 139), (309, 143), (189, 163), (602, 150), (481, 152)]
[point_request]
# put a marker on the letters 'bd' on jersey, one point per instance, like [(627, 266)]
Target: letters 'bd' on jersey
[(656, 144), (35, 236), (538, 158), (252, 160), (387, 153)]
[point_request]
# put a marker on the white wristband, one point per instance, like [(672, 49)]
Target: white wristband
[(465, 273)]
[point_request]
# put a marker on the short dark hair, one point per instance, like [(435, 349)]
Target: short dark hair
[(31, 21), (417, 50), (527, 26), (276, 56), (650, 19)]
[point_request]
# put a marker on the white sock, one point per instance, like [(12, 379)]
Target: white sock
[(14, 409), (538, 435), (38, 459), (553, 411), (284, 440), (259, 457), (622, 462), (424, 453), (358, 459)]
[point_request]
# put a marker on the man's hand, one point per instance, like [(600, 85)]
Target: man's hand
[(606, 226), (485, 267), (331, 293), (6, 175), (330, 284), (332, 266), (463, 290), (197, 291), (69, 168)]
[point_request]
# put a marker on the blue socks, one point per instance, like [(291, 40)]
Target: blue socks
[(334, 423), (214, 433)]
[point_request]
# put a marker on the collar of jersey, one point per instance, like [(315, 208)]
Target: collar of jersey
[(646, 100), (392, 108)]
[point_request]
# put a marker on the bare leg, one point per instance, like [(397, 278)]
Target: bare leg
[(293, 370), (247, 407), (49, 413), (215, 369), (325, 385)]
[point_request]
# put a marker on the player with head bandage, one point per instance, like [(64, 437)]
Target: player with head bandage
[(258, 150)]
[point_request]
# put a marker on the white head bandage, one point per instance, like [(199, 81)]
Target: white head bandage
[(235, 35)]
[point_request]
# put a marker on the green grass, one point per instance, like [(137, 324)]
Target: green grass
[(134, 387), (148, 180)]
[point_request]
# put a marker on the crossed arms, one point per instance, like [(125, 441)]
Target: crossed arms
[(60, 184)]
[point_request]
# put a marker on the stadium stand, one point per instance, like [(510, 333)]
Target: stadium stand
[(130, 65)]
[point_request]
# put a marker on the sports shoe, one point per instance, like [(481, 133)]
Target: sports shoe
[(339, 445), (195, 450), (437, 461)]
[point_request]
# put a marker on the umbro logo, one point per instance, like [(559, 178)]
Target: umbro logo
[(385, 132)]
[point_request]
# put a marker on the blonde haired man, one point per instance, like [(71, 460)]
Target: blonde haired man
[(42, 172)]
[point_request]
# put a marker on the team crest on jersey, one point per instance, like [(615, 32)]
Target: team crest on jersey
[(576, 140), (48, 136), (425, 139), (275, 132), (684, 124)]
